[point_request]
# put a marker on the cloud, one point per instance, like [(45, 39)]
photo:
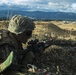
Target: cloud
[(4, 1), (41, 5), (62, 6), (73, 6)]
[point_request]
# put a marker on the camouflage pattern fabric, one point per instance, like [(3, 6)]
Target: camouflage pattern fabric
[(9, 43), (19, 24), (7, 62)]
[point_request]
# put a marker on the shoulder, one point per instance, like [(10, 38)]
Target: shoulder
[(3, 34), (4, 37)]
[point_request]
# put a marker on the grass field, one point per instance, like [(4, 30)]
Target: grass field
[(57, 29), (51, 29)]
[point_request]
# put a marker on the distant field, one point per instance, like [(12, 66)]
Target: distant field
[(56, 29)]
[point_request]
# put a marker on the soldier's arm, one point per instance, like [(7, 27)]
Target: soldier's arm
[(5, 51)]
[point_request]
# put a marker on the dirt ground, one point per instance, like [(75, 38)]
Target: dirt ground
[(60, 60)]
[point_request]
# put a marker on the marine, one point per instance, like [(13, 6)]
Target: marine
[(19, 31)]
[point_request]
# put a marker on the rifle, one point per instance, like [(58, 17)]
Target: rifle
[(36, 46), (39, 46)]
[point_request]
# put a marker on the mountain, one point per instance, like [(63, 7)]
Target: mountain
[(38, 15)]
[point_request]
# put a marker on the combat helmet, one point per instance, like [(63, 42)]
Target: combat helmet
[(19, 24)]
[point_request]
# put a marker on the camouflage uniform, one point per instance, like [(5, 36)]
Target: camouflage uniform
[(8, 43)]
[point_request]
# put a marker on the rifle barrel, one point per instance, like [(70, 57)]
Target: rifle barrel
[(60, 43)]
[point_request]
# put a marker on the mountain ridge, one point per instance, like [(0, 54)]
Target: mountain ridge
[(39, 15)]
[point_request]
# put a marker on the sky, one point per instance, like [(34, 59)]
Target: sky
[(41, 5)]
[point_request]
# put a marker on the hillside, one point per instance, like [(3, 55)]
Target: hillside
[(38, 15)]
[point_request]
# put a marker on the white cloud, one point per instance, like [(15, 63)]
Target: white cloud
[(61, 6), (47, 5), (4, 1), (58, 5), (52, 4), (73, 6)]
